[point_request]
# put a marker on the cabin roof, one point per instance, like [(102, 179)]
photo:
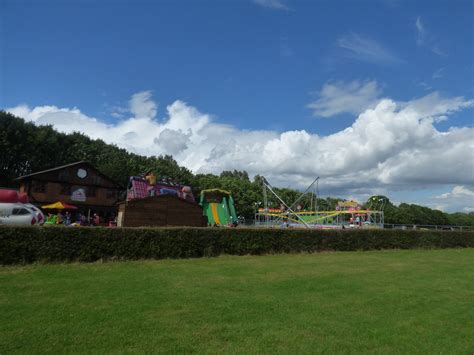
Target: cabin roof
[(82, 162)]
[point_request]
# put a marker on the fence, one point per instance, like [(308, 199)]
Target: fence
[(427, 227)]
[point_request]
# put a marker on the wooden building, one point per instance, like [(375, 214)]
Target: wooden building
[(79, 184), (163, 210)]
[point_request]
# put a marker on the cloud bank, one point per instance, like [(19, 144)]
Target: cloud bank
[(392, 145), (460, 198)]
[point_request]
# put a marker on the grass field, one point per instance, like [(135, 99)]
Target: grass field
[(393, 301)]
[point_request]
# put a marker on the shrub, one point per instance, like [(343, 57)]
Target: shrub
[(22, 245)]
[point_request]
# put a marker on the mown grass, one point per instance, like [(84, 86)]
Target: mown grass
[(414, 301)]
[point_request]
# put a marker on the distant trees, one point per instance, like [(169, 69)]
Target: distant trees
[(26, 148), (461, 219), (411, 213)]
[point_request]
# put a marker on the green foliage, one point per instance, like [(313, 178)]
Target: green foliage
[(67, 244), (461, 219), (414, 214)]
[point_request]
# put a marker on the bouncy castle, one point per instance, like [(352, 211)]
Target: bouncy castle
[(218, 207), (148, 186)]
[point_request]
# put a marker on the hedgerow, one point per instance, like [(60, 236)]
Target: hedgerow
[(22, 245)]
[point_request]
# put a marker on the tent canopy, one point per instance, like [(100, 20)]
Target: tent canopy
[(59, 206)]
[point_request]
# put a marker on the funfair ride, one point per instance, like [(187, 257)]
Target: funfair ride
[(347, 214)]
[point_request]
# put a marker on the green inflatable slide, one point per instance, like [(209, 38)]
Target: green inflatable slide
[(218, 207)]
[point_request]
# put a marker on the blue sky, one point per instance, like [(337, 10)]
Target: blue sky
[(268, 65)]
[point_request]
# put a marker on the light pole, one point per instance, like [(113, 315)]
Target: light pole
[(255, 208)]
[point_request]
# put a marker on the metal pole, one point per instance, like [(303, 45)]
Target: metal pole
[(304, 193), (299, 198), (265, 203), (317, 196), (265, 182)]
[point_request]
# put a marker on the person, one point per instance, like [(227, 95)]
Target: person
[(59, 218), (83, 220), (49, 219), (113, 221), (96, 220), (67, 218)]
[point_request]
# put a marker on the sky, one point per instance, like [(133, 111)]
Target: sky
[(373, 96)]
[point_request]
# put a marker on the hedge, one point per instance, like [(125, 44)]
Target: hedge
[(22, 245)]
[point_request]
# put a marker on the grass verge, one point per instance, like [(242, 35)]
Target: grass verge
[(379, 301)]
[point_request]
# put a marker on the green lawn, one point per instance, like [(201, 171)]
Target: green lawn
[(389, 301)]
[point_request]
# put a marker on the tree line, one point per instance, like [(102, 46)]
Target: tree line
[(26, 148)]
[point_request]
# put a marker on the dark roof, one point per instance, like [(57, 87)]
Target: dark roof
[(67, 166), (52, 169)]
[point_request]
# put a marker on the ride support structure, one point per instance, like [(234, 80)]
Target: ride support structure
[(348, 214)]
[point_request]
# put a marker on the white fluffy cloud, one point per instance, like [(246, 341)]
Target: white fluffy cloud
[(142, 106), (460, 198), (389, 146), (338, 97), (174, 141)]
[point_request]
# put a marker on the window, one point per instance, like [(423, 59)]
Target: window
[(38, 186), (20, 211), (111, 194), (91, 191), (64, 175), (65, 189), (81, 173)]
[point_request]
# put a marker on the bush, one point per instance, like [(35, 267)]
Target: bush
[(22, 245)]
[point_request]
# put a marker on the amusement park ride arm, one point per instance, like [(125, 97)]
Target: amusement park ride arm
[(304, 193), (269, 187)]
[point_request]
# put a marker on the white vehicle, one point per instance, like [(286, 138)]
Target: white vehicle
[(17, 214), (40, 219)]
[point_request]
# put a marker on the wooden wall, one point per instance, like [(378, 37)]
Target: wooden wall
[(53, 193), (163, 210)]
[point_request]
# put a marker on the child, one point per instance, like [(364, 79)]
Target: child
[(96, 219)]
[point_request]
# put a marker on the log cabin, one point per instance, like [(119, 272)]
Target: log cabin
[(79, 184)]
